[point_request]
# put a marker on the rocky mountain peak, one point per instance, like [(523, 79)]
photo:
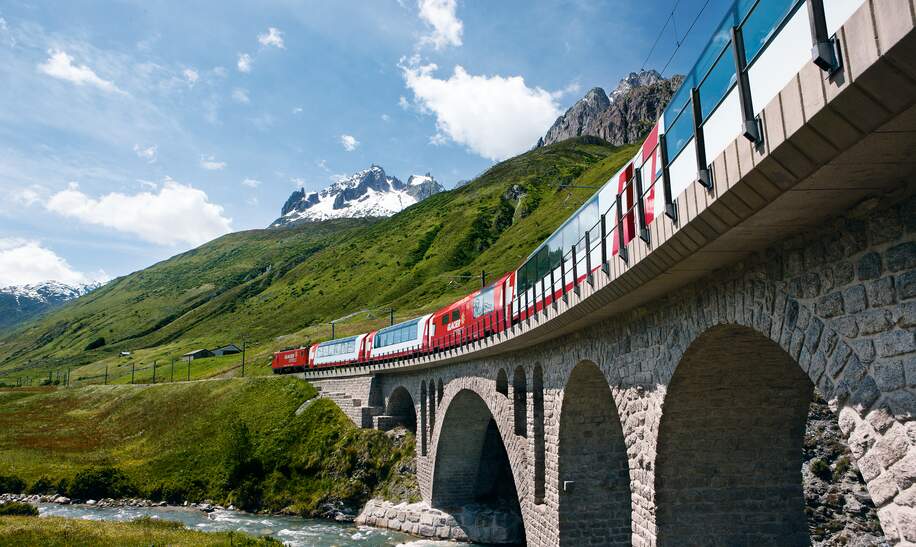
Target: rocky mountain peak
[(642, 78), (620, 118), (367, 193)]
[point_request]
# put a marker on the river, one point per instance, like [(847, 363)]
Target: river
[(292, 531)]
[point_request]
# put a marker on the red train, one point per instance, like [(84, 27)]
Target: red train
[(575, 250)]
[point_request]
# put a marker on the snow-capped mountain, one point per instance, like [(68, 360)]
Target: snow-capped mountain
[(367, 193), (21, 302)]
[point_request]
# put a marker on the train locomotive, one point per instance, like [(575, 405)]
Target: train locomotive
[(574, 251)]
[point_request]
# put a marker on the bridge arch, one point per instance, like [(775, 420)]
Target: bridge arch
[(472, 465), (401, 410), (502, 382), (594, 480), (730, 443)]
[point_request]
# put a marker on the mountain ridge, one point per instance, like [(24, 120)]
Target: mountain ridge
[(366, 193), (19, 303), (622, 117)]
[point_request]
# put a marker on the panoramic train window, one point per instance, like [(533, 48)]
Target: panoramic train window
[(403, 332), (339, 347)]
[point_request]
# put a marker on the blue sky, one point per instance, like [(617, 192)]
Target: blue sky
[(134, 130)]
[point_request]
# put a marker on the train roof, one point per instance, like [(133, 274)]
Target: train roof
[(402, 323), (338, 340)]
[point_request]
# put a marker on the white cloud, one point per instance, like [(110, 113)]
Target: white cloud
[(244, 63), (386, 118), (297, 110), (147, 184), (220, 72), (273, 37), (297, 182), (177, 214), (349, 142), (323, 164), (251, 183), (26, 197), (403, 103), (148, 153), (60, 65), (446, 28), (210, 164), (27, 261), (573, 88), (191, 76), (497, 117), (240, 95)]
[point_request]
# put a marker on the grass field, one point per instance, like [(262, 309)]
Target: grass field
[(60, 532), (234, 441)]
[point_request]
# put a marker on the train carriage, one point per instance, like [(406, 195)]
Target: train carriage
[(406, 338), (574, 250), (342, 351), (478, 314)]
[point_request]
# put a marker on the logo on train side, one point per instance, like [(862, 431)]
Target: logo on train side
[(454, 325)]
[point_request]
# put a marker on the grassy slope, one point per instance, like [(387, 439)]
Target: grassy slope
[(223, 292), (175, 441), (53, 532)]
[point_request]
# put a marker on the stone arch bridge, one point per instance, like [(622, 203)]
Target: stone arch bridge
[(664, 402)]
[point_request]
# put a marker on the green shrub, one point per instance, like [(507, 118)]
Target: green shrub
[(43, 486), (101, 482), (244, 472), (97, 343), (14, 508), (821, 469), (841, 467), (11, 485), (150, 522)]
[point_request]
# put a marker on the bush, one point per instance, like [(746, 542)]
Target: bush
[(102, 482), (840, 468), (97, 343), (43, 486), (244, 472), (821, 469), (14, 508), (11, 485), (150, 522)]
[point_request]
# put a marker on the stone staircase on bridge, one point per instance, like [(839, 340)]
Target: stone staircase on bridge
[(365, 415)]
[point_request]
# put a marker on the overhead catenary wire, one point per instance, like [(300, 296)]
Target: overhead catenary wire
[(680, 43), (660, 34)]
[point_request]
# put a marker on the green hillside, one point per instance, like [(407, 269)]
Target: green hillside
[(281, 287), (236, 441)]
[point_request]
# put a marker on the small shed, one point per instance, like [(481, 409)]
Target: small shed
[(231, 349), (197, 354)]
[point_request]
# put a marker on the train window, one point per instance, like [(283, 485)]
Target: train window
[(444, 319), (456, 315)]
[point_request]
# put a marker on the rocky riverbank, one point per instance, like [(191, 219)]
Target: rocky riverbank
[(35, 499), (479, 523)]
